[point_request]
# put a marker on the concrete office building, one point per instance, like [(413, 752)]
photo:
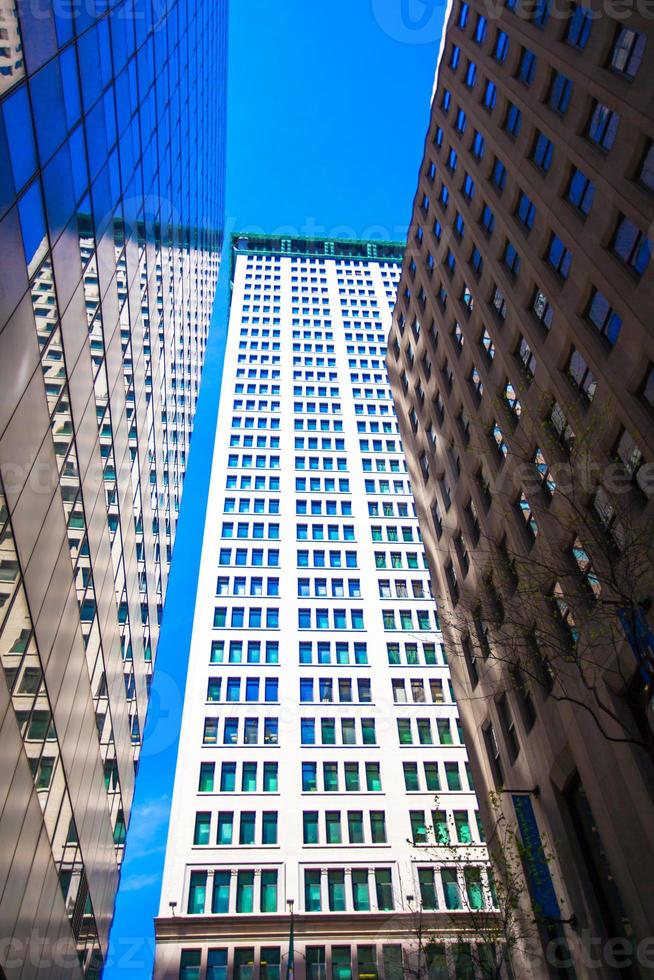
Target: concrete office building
[(521, 359), (319, 735), (112, 159)]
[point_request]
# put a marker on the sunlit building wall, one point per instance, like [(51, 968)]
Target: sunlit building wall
[(321, 760)]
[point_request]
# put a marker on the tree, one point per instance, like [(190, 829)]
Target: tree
[(495, 929), (561, 600)]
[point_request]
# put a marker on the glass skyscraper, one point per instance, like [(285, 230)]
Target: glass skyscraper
[(319, 724), (112, 145)]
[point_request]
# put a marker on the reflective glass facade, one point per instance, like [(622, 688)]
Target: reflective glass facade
[(112, 143)]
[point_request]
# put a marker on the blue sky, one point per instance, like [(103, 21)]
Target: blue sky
[(328, 109)]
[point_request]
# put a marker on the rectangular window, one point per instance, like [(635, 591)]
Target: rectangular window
[(245, 891), (360, 891)]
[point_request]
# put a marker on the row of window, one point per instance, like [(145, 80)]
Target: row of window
[(249, 689), (420, 589), (238, 652), (246, 482), (417, 689), (322, 532), (393, 533), (247, 505), (318, 587), (425, 620), (262, 422), (245, 529), (253, 828), (350, 731), (339, 653), (416, 654), (318, 425), (257, 618), (399, 560), (317, 558), (239, 586), (448, 827), (241, 731), (420, 731), (325, 443), (362, 828), (252, 442), (318, 484), (324, 619), (351, 777), (321, 463), (362, 962), (253, 778), (342, 689)]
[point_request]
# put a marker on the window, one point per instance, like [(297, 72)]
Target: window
[(525, 511), (646, 174), (427, 887), (245, 891), (647, 387), (418, 826), (206, 782), (508, 727), (632, 458), (480, 29), (583, 562), (225, 831), (270, 784), (627, 52), (511, 258), (197, 893), (493, 752), (360, 891), (269, 828), (333, 827), (498, 439), (488, 219), (471, 74), (527, 357), (603, 126), (336, 900), (540, 13), (498, 303), (384, 890), (501, 46), (632, 246), (228, 777), (542, 309), (581, 191), (542, 152), (527, 66), (561, 426), (559, 257), (581, 375), (512, 120), (579, 27), (490, 96), (499, 174), (411, 781), (526, 211), (560, 91), (453, 776), (202, 828), (189, 964), (605, 320)]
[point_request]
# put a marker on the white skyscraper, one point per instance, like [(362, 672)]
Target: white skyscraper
[(321, 760)]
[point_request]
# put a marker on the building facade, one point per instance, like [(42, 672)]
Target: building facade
[(112, 141), (321, 761), (521, 359)]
